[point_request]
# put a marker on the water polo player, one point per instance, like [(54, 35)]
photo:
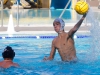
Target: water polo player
[(8, 54), (64, 42)]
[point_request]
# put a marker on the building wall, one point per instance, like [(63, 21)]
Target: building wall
[(62, 3), (45, 3), (93, 3)]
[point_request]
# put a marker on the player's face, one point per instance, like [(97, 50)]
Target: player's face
[(57, 26)]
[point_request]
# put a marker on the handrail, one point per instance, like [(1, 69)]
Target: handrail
[(64, 8), (17, 14), (1, 13)]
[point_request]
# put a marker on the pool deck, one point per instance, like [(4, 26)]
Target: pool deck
[(40, 29), (48, 28)]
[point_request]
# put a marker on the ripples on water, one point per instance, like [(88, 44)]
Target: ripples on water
[(30, 52)]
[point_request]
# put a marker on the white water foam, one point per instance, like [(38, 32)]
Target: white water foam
[(94, 32)]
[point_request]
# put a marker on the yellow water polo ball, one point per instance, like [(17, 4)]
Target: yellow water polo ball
[(81, 7)]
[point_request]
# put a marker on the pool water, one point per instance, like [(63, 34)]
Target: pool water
[(31, 51)]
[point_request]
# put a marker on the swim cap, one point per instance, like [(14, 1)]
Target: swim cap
[(61, 22), (8, 52)]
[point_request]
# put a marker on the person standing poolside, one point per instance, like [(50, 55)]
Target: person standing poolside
[(64, 42), (8, 54)]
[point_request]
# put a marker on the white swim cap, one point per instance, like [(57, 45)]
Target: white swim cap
[(61, 22)]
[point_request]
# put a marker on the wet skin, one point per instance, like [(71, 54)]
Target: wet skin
[(64, 42)]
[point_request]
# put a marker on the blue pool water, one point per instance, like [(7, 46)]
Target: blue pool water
[(31, 51)]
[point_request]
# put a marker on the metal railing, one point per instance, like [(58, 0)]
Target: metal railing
[(1, 13)]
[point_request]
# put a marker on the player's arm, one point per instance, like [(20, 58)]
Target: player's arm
[(52, 53), (76, 27)]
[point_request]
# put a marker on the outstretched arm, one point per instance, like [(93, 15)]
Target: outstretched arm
[(52, 53), (76, 27)]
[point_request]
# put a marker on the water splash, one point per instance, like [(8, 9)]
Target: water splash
[(94, 32)]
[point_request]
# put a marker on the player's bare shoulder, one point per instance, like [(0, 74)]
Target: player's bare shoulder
[(54, 40)]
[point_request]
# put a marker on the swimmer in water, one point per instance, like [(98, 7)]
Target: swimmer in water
[(64, 42), (8, 54)]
